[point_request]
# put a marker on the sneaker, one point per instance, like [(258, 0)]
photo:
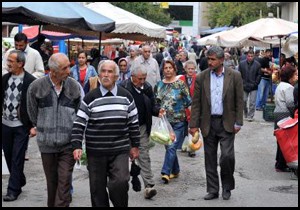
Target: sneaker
[(191, 154), (181, 150), (10, 197), (250, 119), (165, 178), (149, 192), (172, 176), (283, 169)]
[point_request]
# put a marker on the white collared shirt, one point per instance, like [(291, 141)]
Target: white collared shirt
[(33, 64), (104, 90), (151, 65)]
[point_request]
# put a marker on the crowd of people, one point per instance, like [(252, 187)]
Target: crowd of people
[(108, 102)]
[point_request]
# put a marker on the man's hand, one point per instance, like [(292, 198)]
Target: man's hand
[(161, 113), (134, 153), (77, 153), (192, 131), (237, 129), (32, 132)]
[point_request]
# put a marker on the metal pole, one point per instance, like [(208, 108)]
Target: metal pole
[(40, 29), (100, 37), (271, 89), (69, 49), (20, 28), (260, 13)]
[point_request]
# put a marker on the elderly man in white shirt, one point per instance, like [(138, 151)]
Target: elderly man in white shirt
[(34, 62), (150, 64)]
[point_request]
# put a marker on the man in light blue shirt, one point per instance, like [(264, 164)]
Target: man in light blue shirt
[(217, 109)]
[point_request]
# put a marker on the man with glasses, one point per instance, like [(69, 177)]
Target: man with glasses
[(16, 126)]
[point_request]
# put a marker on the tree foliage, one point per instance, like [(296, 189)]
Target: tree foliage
[(146, 10), (236, 13)]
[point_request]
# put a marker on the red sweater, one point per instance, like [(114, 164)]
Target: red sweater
[(191, 88)]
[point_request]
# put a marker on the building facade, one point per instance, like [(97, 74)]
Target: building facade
[(189, 17), (289, 10)]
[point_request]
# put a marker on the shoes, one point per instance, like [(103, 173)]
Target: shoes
[(259, 109), (191, 154), (149, 192), (226, 194), (211, 196), (283, 169), (172, 176), (250, 119), (10, 198), (165, 178)]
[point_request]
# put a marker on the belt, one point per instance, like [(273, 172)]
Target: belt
[(216, 116)]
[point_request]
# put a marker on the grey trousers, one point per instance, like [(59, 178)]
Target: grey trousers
[(249, 112), (144, 160)]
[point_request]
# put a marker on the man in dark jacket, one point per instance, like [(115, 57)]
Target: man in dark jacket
[(217, 109), (16, 126), (251, 74), (145, 103)]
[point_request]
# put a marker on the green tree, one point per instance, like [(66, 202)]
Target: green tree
[(236, 13), (146, 10)]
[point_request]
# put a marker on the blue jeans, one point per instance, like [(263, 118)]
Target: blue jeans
[(262, 93), (274, 86), (171, 164)]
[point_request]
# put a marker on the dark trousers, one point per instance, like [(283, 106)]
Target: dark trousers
[(112, 172), (58, 168), (14, 144), (218, 134), (280, 161)]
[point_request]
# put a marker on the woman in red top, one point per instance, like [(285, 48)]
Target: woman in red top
[(82, 71)]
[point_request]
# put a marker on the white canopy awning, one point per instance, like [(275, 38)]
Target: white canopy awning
[(290, 46), (128, 25), (262, 32), (211, 39)]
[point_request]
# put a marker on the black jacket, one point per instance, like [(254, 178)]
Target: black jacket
[(23, 115), (251, 74), (151, 109)]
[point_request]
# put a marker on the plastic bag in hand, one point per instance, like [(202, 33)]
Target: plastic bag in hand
[(162, 132)]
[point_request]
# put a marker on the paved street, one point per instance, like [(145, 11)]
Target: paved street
[(257, 183)]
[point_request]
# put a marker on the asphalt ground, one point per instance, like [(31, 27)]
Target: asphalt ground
[(257, 183)]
